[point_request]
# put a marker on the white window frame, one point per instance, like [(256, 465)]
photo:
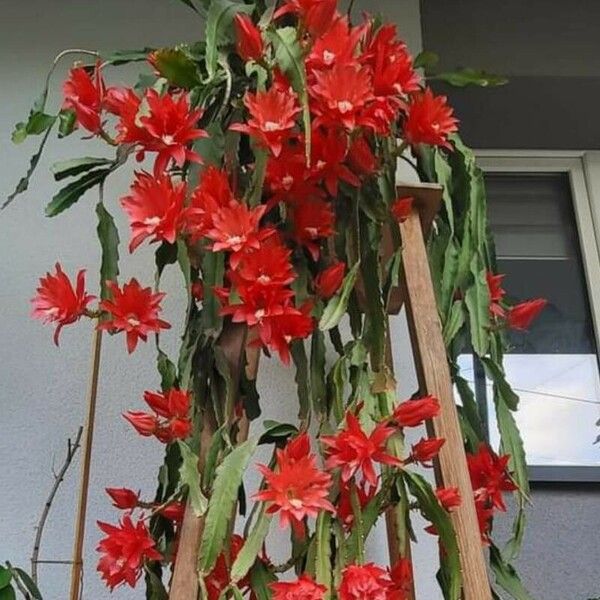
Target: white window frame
[(583, 170)]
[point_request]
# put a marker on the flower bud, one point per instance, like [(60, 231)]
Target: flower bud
[(329, 280), (249, 43), (426, 450), (123, 498), (414, 412)]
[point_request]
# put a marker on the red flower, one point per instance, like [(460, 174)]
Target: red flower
[(345, 511), (84, 94), (401, 575), (267, 266), (171, 126), (361, 157), (171, 404), (429, 120), (401, 208), (254, 302), (330, 148), (426, 450), (125, 103), (278, 330), (167, 128), (235, 229), (494, 283), (213, 193), (328, 281), (123, 498), (144, 423), (316, 15), (393, 72), (336, 46), (249, 43), (57, 301), (414, 412), (298, 488), (304, 588), (218, 579), (174, 408), (341, 94), (522, 315), (364, 581), (449, 497), (353, 450), (489, 477), (288, 179), (272, 117), (312, 221), (133, 309), (124, 550), (154, 207)]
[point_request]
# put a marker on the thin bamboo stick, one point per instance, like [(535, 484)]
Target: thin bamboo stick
[(84, 484)]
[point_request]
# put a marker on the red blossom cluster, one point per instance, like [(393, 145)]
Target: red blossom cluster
[(124, 551), (128, 546), (361, 86), (297, 488), (171, 419)]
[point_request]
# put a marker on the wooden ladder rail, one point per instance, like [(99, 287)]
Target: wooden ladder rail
[(434, 378)]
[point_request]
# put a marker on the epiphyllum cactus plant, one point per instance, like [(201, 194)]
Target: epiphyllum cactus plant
[(266, 171)]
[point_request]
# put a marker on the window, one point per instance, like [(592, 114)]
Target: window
[(541, 217)]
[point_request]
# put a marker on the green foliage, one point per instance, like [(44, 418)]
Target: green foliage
[(177, 67), (460, 254), (189, 476), (336, 307), (222, 503), (302, 378), (252, 546), (66, 197), (464, 77), (219, 31), (33, 163), (109, 242), (123, 57), (433, 512), (506, 576), (75, 166)]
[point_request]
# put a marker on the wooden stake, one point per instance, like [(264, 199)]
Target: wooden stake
[(434, 378), (84, 484), (184, 585)]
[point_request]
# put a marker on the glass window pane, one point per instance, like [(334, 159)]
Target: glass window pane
[(554, 367)]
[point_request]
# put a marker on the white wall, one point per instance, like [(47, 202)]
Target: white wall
[(42, 397)]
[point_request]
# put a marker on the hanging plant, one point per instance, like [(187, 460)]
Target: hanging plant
[(266, 162)]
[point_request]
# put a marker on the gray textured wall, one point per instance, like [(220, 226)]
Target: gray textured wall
[(42, 396)]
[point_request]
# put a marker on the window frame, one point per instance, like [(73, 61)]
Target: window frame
[(583, 171)]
